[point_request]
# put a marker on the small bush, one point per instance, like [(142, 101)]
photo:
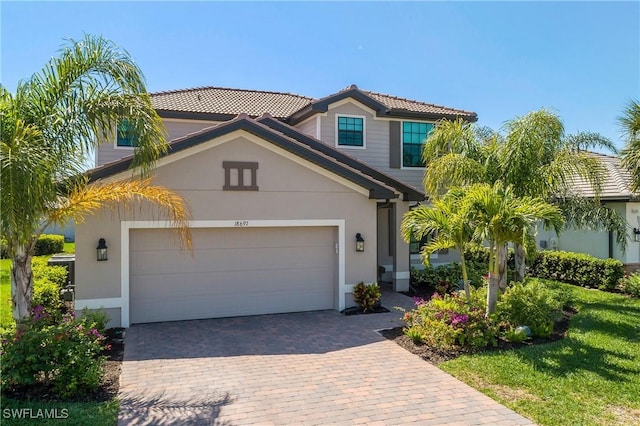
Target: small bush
[(4, 249), (366, 295), (515, 335), (97, 319), (631, 285), (450, 321), (47, 294), (49, 244), (578, 269), (64, 356), (532, 304)]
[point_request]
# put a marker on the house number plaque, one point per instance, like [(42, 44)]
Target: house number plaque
[(241, 223)]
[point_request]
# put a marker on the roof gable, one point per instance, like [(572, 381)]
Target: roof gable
[(377, 189)]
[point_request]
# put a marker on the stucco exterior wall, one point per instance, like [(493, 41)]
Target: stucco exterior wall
[(288, 190)]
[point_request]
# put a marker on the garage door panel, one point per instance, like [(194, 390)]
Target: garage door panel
[(167, 262), (260, 271)]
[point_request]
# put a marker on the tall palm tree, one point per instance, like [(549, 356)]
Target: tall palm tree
[(533, 155), (630, 124), (46, 130), (499, 216), (446, 223)]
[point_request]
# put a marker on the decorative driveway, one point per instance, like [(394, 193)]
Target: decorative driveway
[(305, 368)]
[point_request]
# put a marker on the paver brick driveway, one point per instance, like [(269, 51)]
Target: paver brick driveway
[(304, 368)]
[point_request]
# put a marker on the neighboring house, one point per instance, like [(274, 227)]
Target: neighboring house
[(280, 187), (616, 194)]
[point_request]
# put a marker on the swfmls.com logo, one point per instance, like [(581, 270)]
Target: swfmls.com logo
[(29, 413)]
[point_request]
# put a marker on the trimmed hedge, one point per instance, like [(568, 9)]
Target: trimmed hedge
[(578, 269), (47, 244)]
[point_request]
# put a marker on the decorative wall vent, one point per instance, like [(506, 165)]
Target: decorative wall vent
[(240, 176)]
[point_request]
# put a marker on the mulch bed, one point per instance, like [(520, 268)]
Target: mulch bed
[(436, 356), (358, 311), (107, 390)]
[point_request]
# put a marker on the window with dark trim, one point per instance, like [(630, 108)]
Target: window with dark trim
[(240, 176), (126, 134), (415, 246), (413, 137), (351, 131)]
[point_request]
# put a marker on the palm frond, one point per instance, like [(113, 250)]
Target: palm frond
[(125, 196)]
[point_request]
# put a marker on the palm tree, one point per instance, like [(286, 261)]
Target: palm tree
[(446, 223), (533, 155), (499, 216), (630, 124), (46, 130)]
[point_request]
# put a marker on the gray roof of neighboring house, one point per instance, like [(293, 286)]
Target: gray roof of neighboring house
[(218, 103), (616, 186)]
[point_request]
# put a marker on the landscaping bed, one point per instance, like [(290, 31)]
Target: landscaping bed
[(436, 356), (108, 390)]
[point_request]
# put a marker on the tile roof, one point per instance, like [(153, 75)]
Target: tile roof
[(231, 102), (220, 100), (396, 103), (615, 186)]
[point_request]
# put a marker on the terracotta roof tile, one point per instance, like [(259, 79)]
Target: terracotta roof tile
[(396, 103), (220, 100)]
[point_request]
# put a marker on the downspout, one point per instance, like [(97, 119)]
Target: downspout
[(611, 244)]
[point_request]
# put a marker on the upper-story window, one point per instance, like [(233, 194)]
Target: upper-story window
[(413, 136), (126, 135), (350, 130)]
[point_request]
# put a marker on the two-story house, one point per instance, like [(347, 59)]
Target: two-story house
[(294, 200)]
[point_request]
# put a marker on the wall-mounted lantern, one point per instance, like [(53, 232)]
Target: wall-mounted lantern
[(636, 235), (359, 242), (102, 249)]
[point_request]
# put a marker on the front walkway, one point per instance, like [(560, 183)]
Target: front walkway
[(304, 368)]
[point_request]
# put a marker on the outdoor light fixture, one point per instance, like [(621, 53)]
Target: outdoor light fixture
[(636, 235), (102, 249), (359, 242)]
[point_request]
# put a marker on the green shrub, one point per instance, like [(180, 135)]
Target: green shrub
[(515, 335), (578, 269), (49, 244), (450, 321), (366, 295), (97, 319), (43, 271), (4, 249), (47, 294), (64, 356), (448, 276), (631, 285), (533, 304)]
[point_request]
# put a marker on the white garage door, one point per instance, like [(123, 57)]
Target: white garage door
[(233, 272)]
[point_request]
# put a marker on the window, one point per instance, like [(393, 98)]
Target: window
[(126, 135), (413, 136), (415, 246), (351, 131), (240, 176)]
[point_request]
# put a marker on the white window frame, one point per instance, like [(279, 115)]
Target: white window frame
[(402, 166), (364, 132), (115, 141)]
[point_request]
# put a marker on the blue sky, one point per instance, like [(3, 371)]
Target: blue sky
[(499, 59)]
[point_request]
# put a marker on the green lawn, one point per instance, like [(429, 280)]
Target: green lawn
[(79, 413), (590, 378)]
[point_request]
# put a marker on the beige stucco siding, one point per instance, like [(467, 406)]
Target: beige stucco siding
[(288, 190), (377, 149)]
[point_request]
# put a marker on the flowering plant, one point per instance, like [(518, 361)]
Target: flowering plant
[(63, 355), (450, 321)]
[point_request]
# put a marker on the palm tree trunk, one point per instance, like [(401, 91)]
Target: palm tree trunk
[(492, 291), (520, 262), (502, 258), (21, 285), (465, 277)]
